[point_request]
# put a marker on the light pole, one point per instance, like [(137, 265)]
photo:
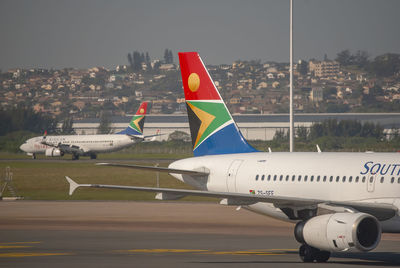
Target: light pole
[(291, 122)]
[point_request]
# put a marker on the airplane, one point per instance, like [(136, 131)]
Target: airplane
[(88, 145), (338, 201)]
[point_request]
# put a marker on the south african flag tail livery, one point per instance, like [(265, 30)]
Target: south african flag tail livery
[(212, 127), (135, 127)]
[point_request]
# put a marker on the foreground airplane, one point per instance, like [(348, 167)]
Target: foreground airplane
[(88, 145), (358, 192)]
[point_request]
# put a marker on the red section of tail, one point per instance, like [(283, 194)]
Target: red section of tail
[(142, 109), (197, 83)]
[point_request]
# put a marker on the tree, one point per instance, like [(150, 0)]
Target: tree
[(361, 59), (148, 61), (137, 61), (105, 124), (66, 127), (281, 136), (302, 67), (344, 57), (130, 60), (302, 133), (22, 118), (385, 65), (168, 56)]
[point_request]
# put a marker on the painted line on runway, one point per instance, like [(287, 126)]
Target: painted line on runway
[(31, 254), (12, 243), (269, 252), (12, 246), (162, 250), (245, 253)]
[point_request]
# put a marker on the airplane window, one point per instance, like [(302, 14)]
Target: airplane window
[(382, 179), (299, 179), (392, 180), (305, 178), (344, 179), (293, 177), (350, 178), (330, 178), (256, 177), (312, 178), (337, 178), (357, 179), (269, 177), (274, 177), (262, 177), (281, 177), (363, 179), (371, 179), (324, 178), (398, 180), (318, 178), (287, 177)]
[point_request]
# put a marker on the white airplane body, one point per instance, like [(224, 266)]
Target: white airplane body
[(103, 143), (339, 201), (333, 177), (88, 145)]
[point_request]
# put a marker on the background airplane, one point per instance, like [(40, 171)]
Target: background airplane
[(88, 145), (339, 201)]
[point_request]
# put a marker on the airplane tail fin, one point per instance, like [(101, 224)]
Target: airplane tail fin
[(137, 122), (212, 127)]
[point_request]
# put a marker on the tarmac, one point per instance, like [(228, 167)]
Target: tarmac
[(157, 234)]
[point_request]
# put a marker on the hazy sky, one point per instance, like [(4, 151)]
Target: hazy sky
[(87, 33)]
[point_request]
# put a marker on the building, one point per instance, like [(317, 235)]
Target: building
[(316, 94), (325, 69), (252, 126)]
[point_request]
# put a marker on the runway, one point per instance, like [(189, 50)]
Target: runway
[(156, 234)]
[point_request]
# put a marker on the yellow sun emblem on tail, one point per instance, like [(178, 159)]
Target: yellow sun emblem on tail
[(194, 82)]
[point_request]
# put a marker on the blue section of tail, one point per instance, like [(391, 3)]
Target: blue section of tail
[(228, 140), (130, 131)]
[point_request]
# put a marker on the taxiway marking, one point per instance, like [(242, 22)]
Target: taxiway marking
[(269, 252), (31, 254)]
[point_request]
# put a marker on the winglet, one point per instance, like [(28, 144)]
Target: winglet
[(72, 185), (318, 149)]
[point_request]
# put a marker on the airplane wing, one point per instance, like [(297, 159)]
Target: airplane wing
[(244, 198), (65, 148), (379, 210), (201, 172)]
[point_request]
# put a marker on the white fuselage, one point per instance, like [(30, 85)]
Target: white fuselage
[(368, 177), (88, 143)]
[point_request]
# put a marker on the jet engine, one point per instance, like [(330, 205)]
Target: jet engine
[(340, 231), (53, 152)]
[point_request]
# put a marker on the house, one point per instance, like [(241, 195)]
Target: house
[(316, 94)]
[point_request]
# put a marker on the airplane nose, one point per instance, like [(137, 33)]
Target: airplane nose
[(23, 147)]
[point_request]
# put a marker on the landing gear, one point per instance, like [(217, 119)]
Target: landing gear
[(93, 156), (310, 254), (75, 156), (33, 156)]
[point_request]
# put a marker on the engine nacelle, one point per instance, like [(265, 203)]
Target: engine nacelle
[(53, 152), (340, 231)]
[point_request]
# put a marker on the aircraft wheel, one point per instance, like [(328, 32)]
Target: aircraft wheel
[(322, 256), (75, 157), (33, 156), (93, 156), (307, 253)]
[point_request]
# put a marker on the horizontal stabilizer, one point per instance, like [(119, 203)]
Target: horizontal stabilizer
[(204, 172)]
